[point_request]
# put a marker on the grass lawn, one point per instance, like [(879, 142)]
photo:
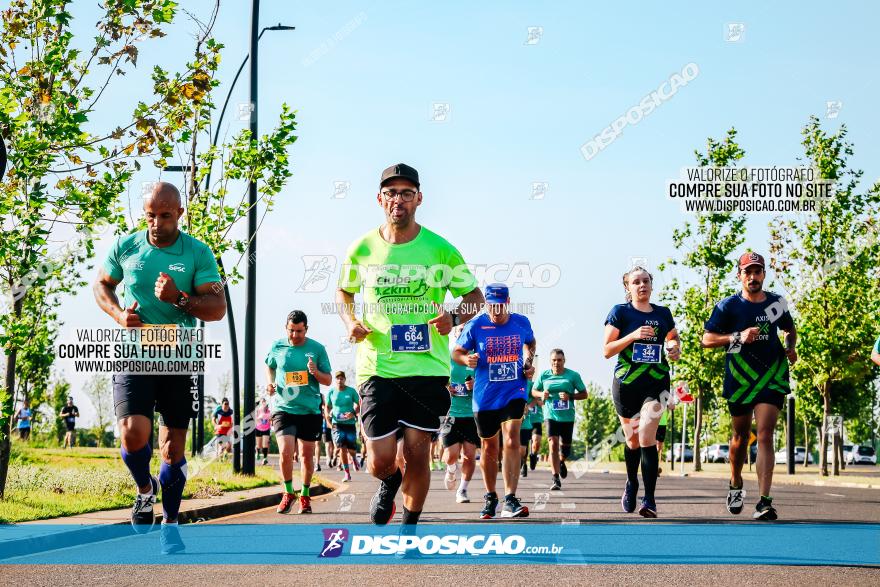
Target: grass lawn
[(49, 483)]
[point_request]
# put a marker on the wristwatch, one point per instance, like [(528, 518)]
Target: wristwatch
[(736, 338), (182, 300), (456, 319)]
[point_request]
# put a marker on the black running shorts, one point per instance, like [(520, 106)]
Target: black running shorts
[(389, 404)]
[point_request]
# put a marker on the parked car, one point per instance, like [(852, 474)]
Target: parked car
[(715, 453), (847, 452), (800, 453), (862, 454), (675, 453)]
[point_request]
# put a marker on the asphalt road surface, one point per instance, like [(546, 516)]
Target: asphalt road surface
[(591, 498)]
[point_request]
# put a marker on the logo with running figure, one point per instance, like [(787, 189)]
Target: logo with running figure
[(318, 271), (334, 540)]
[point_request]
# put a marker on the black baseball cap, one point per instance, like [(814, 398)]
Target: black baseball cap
[(402, 171)]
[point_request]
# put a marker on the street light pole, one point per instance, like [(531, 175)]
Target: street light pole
[(250, 319)]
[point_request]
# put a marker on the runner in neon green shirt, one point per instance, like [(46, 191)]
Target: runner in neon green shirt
[(404, 272), (558, 387)]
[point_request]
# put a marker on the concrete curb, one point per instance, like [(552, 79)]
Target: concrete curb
[(105, 530)]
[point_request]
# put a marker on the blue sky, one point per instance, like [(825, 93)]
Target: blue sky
[(519, 114)]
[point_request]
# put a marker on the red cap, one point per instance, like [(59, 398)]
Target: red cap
[(750, 258)]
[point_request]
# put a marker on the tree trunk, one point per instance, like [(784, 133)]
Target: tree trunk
[(835, 460), (806, 443), (698, 426), (6, 408), (823, 442)]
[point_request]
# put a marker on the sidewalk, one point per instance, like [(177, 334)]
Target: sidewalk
[(74, 530), (854, 476)]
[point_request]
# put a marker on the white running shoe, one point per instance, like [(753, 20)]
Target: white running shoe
[(735, 499), (449, 479), (461, 496)]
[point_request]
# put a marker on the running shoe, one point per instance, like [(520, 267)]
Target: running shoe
[(659, 471), (354, 462), (286, 502), (382, 506), (347, 477), (490, 508), (305, 505), (563, 470), (461, 496), (628, 500), (557, 484), (648, 509), (362, 461), (524, 470), (533, 461), (449, 478), (735, 498), (142, 516), (765, 510), (318, 467), (513, 508), (266, 462), (169, 539)]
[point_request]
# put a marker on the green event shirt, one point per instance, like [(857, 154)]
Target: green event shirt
[(529, 417), (342, 402), (537, 417), (393, 279), (462, 405), (296, 390), (137, 264), (569, 382)]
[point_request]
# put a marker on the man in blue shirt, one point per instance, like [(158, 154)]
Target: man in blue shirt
[(500, 347)]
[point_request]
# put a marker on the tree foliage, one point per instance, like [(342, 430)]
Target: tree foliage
[(827, 260), (707, 247)]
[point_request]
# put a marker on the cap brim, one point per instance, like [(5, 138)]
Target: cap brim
[(387, 179), (761, 265)]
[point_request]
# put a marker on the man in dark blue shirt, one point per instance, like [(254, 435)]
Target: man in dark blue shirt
[(756, 373)]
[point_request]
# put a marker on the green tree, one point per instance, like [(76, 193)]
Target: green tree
[(706, 247), (596, 416), (65, 176), (827, 261), (100, 393)]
